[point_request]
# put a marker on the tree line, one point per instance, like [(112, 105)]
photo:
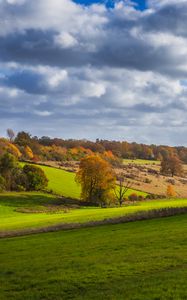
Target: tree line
[(46, 148)]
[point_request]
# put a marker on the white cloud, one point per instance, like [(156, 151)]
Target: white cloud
[(119, 70), (65, 40)]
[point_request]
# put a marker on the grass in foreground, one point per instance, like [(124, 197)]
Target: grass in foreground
[(142, 260), (11, 205)]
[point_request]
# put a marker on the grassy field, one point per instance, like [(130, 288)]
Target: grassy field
[(141, 161), (63, 183), (141, 260), (41, 213)]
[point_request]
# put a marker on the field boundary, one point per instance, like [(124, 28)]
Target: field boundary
[(139, 216)]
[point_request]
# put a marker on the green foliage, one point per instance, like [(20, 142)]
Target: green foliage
[(7, 163), (36, 178), (139, 260)]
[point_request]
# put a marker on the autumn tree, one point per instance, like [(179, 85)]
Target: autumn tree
[(171, 165), (122, 188), (28, 152), (170, 191), (97, 179)]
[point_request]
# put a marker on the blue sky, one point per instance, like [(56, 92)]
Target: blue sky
[(92, 73), (139, 4)]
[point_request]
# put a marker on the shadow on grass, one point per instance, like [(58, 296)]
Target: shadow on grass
[(33, 199)]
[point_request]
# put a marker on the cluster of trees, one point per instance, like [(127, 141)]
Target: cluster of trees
[(98, 183), (46, 148), (171, 166), (15, 178)]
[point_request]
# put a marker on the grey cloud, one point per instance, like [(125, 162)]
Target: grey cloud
[(121, 79)]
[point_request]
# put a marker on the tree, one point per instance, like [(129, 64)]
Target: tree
[(10, 134), (36, 178), (28, 152), (97, 179), (171, 166), (23, 139), (121, 189), (171, 191), (8, 163)]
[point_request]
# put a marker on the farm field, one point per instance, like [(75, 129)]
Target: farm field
[(141, 162), (35, 210), (63, 183), (139, 260)]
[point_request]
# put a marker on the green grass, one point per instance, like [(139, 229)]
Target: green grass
[(11, 219), (63, 183), (141, 161), (144, 260)]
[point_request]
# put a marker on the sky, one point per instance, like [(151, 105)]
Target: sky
[(95, 69)]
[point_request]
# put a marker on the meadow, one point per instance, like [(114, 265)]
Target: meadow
[(35, 210), (141, 161), (141, 260), (63, 183)]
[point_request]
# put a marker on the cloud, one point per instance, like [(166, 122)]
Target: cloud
[(77, 71)]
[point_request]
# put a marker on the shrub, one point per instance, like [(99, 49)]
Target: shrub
[(140, 198), (147, 180), (170, 191), (36, 178), (133, 197)]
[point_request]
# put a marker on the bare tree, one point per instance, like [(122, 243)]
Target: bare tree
[(123, 187), (10, 134)]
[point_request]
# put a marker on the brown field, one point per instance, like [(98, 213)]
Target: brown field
[(143, 176), (147, 177)]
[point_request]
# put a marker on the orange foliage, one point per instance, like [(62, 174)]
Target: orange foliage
[(28, 152), (14, 150), (97, 179), (171, 191)]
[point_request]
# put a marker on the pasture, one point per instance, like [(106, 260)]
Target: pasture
[(139, 260), (63, 183), (35, 210), (141, 162)]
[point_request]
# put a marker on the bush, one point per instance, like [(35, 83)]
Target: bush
[(140, 198), (133, 197), (147, 180), (36, 178)]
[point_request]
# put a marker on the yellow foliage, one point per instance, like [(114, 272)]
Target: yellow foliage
[(28, 152), (97, 179), (14, 149)]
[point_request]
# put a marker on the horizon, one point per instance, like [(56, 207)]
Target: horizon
[(94, 140), (86, 69)]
